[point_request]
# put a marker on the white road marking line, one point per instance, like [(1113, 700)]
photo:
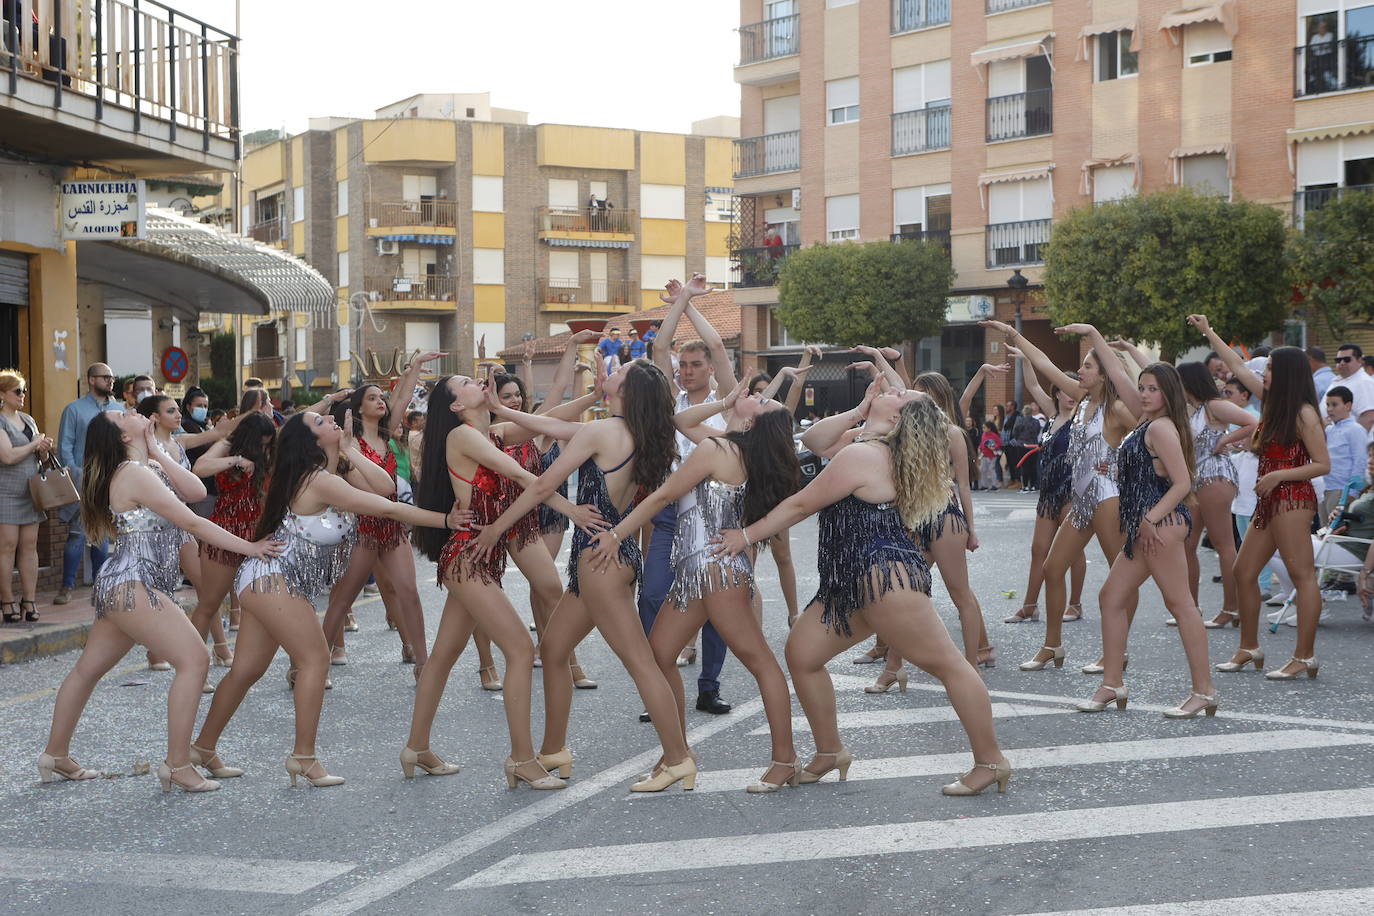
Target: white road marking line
[(551, 803), (1021, 515), (873, 840), (1352, 900), (1061, 756), (206, 873), (886, 718)]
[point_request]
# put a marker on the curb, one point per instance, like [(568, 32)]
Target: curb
[(43, 641)]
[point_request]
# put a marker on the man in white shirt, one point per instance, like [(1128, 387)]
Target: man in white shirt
[(1350, 373)]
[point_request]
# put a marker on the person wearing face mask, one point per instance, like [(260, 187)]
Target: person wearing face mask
[(195, 419), (144, 387)]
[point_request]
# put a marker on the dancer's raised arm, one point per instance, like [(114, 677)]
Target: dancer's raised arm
[(826, 437), (404, 389), (566, 372), (720, 357), (971, 389), (875, 355), (1038, 359), (1111, 365), (1031, 379), (1231, 358), (692, 421), (1142, 359), (795, 392)]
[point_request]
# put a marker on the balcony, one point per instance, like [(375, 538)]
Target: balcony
[(768, 154), (910, 15), (1022, 114), (129, 81), (427, 291), (587, 227), (1334, 66), (1002, 6), (1312, 199), (427, 220), (586, 295), (940, 236), (921, 131), (269, 231), (755, 267), (1017, 244), (770, 39), (270, 369)]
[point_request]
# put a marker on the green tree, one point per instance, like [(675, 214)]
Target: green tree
[(870, 293), (1135, 267), (219, 386), (1333, 260)]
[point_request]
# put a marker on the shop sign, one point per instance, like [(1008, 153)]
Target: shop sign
[(103, 210)]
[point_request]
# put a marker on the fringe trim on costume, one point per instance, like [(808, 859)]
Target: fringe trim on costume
[(843, 599), (146, 558), (1201, 482), (305, 570), (1267, 510), (455, 565), (393, 539), (1180, 516), (698, 577), (934, 529)]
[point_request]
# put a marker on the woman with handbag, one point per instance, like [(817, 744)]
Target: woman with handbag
[(21, 448)]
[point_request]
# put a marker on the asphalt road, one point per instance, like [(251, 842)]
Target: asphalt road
[(1272, 801)]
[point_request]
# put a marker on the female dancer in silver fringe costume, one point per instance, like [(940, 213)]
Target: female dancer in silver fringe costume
[(730, 480), (132, 490), (870, 496), (318, 483)]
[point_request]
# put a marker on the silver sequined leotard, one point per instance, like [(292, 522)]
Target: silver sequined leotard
[(185, 461), (1089, 449), (1210, 467), (701, 514), (317, 551), (143, 543)]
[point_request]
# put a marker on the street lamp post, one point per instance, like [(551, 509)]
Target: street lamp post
[(1017, 284)]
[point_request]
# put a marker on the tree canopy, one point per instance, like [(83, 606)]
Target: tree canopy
[(1333, 259), (871, 292), (1135, 267)]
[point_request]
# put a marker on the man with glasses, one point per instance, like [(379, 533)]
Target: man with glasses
[(1350, 374), (71, 446)]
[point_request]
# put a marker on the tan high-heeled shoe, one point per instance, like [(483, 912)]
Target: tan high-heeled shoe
[(410, 759), (338, 656), (164, 776), (49, 765), (1220, 621), (514, 777), (294, 769), (1308, 664), (1076, 615), (218, 662), (580, 679), (841, 761), (763, 786), (877, 654), (1001, 768), (1022, 617), (158, 664), (562, 762), (1097, 666), (494, 683), (1038, 664), (990, 661), (687, 656), (1252, 656), (1118, 697), (350, 623), (407, 654), (887, 680), (1210, 704), (291, 680), (684, 771), (209, 761)]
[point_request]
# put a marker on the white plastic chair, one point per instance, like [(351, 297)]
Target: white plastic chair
[(1287, 614)]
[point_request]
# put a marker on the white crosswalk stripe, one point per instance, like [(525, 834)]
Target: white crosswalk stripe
[(1353, 900), (203, 873)]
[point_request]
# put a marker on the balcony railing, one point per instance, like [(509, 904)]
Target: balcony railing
[(1001, 6), (758, 266), (920, 131), (268, 231), (138, 55), (768, 154), (909, 15), (1017, 244), (925, 235), (424, 212), (587, 219), (1023, 114), (1313, 199), (772, 38), (576, 293), (410, 289), (1332, 66)]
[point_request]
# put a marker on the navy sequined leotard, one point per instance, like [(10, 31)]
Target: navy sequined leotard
[(1142, 488), (1056, 473), (862, 546), (551, 520), (592, 490)]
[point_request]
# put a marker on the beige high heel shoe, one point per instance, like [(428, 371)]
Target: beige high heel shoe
[(1218, 622), (562, 762), (294, 769), (157, 664), (164, 776), (410, 759), (1001, 768), (209, 761), (1252, 656), (1036, 664), (763, 786), (1209, 706), (350, 623), (48, 765), (1022, 617), (684, 771), (1308, 664), (338, 656), (896, 678), (216, 661), (514, 777), (580, 679), (494, 683), (842, 760), (687, 656), (1097, 666), (291, 680), (988, 661), (1076, 616), (1118, 697)]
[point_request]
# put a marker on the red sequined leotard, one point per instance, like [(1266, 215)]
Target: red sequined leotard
[(485, 503), (1289, 495), (237, 508), (527, 529), (376, 533)]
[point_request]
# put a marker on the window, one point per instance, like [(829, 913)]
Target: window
[(842, 217), (342, 193), (1338, 45), (419, 187), (298, 205), (1115, 59), (563, 268), (563, 193), (655, 270), (247, 349), (922, 86), (300, 345), (489, 266), (418, 261), (718, 269), (916, 211), (492, 333), (787, 220), (720, 205), (471, 113), (831, 4), (423, 336), (488, 193), (782, 114), (662, 201), (1206, 43), (777, 333), (1018, 201), (1113, 182), (842, 100), (343, 268), (1207, 174)]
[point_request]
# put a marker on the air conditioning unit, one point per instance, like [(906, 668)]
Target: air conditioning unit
[(796, 198), (388, 246)]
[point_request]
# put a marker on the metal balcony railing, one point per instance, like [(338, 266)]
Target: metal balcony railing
[(587, 219), (1314, 199), (909, 15), (135, 54), (770, 39), (1332, 66), (423, 212), (920, 131), (768, 154), (1022, 114), (758, 266), (575, 293), (1001, 6), (269, 231), (1017, 244), (925, 235), (408, 289)]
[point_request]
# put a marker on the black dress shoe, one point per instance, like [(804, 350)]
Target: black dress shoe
[(644, 717), (710, 701)]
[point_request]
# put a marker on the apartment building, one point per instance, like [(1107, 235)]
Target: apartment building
[(977, 123), (449, 224)]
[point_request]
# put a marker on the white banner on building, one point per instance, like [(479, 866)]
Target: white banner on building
[(103, 210)]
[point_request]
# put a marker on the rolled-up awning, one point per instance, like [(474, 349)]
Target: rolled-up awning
[(1310, 134), (1211, 149), (1025, 46), (1030, 174), (1224, 13), (1102, 28), (1085, 186)]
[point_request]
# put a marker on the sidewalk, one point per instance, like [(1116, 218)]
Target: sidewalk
[(60, 628)]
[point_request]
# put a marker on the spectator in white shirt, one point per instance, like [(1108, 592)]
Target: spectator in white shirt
[(1350, 373), (1345, 441)]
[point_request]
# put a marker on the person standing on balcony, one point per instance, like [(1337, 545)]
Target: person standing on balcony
[(773, 242), (71, 448)]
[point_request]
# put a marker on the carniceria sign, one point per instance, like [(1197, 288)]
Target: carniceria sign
[(103, 210)]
